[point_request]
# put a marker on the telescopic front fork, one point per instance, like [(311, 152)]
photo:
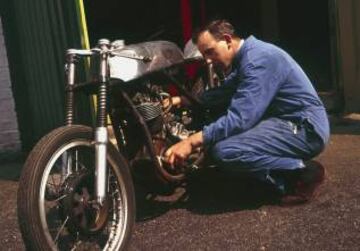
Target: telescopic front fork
[(71, 58), (101, 133), (101, 137)]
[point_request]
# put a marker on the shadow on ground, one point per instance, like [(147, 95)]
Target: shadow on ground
[(349, 125), (11, 169), (209, 191)]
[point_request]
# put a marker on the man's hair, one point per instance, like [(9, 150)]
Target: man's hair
[(217, 29)]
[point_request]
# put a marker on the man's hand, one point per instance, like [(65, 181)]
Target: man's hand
[(178, 153), (175, 101)]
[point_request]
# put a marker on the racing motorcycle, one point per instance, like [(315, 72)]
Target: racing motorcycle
[(76, 191)]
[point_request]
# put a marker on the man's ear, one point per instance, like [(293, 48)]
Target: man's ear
[(227, 38)]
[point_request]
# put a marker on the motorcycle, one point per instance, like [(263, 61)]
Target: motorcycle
[(76, 190)]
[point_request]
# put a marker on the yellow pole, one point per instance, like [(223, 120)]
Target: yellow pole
[(82, 24), (84, 36)]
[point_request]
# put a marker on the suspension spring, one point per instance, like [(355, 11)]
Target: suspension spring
[(101, 105)]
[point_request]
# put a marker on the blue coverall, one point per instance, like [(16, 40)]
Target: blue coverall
[(274, 118)]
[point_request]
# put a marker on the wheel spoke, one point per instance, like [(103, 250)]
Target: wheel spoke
[(114, 193), (51, 204), (70, 217), (76, 245), (60, 198), (76, 161), (55, 186), (61, 229)]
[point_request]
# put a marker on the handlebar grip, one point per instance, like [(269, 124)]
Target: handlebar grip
[(78, 52)]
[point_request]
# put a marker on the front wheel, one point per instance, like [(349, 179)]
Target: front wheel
[(56, 205)]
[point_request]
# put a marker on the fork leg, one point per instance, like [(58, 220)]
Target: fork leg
[(101, 133)]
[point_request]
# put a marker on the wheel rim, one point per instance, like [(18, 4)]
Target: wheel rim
[(112, 235)]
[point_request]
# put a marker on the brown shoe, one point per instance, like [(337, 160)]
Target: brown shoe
[(302, 186)]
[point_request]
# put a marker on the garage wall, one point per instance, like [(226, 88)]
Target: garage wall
[(348, 36), (9, 133), (37, 33)]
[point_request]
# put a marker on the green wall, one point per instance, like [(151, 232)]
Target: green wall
[(37, 34)]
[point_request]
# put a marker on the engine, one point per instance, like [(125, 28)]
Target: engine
[(167, 126), (162, 122)]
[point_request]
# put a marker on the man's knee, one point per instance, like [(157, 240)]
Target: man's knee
[(224, 154), (218, 153)]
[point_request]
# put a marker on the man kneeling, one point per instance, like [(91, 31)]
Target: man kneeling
[(274, 119)]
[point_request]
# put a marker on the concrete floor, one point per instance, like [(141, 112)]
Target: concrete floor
[(218, 211)]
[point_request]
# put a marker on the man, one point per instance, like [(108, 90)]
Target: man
[(274, 120)]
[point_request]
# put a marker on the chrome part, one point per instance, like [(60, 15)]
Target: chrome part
[(178, 130), (131, 56), (130, 61), (69, 160), (70, 66), (191, 51), (104, 50), (79, 52), (76, 161), (101, 140), (103, 42), (70, 73), (149, 110), (64, 166), (71, 58), (118, 44)]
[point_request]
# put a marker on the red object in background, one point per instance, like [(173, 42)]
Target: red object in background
[(202, 12), (186, 20)]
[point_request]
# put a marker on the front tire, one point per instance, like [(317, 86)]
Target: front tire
[(55, 198)]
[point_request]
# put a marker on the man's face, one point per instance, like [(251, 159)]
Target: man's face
[(217, 52)]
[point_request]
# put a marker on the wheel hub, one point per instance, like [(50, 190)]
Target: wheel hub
[(85, 214)]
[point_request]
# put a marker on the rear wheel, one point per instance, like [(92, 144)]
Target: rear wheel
[(56, 205)]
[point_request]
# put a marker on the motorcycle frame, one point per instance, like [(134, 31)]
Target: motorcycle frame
[(103, 89)]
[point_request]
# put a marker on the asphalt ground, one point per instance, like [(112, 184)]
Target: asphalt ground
[(221, 211)]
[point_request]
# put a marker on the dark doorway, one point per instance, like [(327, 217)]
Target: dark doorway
[(299, 27), (245, 15), (304, 32), (134, 21)]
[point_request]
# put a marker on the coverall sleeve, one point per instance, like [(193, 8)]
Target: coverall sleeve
[(217, 96), (258, 84)]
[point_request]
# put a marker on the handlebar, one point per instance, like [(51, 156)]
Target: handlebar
[(95, 51), (78, 52)]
